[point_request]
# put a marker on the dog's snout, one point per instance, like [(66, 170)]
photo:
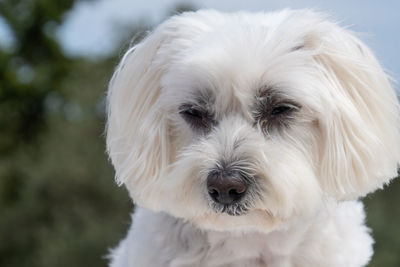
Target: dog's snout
[(226, 189)]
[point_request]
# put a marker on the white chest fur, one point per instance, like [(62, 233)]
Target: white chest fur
[(335, 237)]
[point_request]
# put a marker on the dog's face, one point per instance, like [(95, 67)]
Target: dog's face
[(250, 121)]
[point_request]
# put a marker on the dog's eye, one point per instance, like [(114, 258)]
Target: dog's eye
[(196, 117), (281, 110), (275, 115), (192, 113)]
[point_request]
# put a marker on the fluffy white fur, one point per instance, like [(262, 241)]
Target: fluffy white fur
[(341, 142)]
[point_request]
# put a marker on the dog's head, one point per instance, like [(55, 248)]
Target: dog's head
[(238, 121)]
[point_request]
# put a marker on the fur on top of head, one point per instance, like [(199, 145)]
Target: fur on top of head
[(290, 101)]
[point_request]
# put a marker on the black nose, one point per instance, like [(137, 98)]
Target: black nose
[(227, 188)]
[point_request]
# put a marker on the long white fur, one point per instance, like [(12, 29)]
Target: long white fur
[(342, 144)]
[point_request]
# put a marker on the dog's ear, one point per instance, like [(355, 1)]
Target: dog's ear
[(137, 129), (360, 140)]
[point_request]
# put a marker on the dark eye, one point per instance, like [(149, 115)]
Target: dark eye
[(280, 110), (195, 117), (192, 113)]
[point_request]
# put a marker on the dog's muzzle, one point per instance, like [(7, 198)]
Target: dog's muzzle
[(226, 188)]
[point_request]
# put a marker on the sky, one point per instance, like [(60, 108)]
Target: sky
[(90, 28)]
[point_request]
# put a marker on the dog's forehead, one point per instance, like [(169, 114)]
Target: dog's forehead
[(228, 68)]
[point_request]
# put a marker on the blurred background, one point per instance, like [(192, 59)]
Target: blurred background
[(59, 205)]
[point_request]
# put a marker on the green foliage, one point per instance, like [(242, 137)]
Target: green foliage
[(33, 67), (59, 205), (383, 217)]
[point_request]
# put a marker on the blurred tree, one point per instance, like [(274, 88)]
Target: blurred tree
[(180, 8), (58, 202), (383, 217), (31, 68)]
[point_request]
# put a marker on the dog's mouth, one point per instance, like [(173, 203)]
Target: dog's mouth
[(235, 209)]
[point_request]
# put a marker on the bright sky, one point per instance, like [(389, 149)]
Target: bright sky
[(89, 28)]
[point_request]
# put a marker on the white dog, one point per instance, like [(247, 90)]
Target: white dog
[(246, 139)]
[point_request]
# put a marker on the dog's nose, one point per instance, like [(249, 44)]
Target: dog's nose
[(226, 189)]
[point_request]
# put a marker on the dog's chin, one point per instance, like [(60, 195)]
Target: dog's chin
[(237, 220)]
